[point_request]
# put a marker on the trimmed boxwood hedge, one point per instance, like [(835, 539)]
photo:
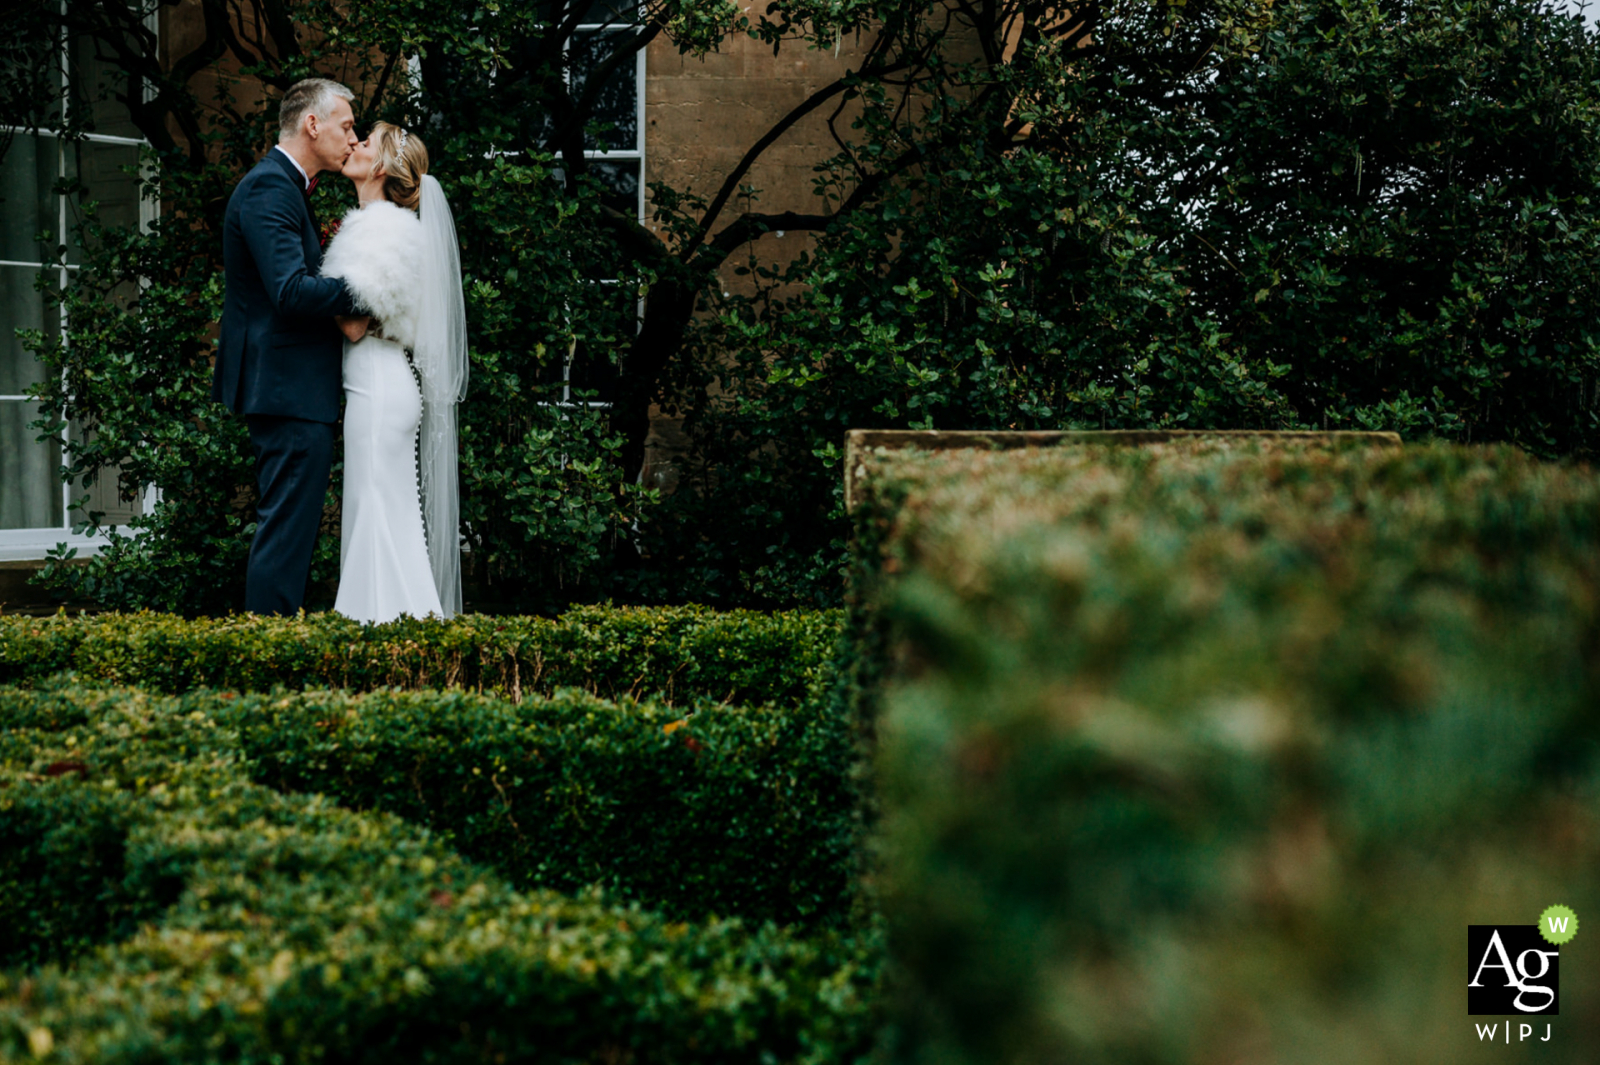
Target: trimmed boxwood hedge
[(1194, 752), (727, 811), (675, 654), (214, 919)]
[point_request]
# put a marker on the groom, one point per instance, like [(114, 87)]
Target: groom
[(278, 359)]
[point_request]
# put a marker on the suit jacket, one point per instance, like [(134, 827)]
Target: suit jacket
[(280, 351)]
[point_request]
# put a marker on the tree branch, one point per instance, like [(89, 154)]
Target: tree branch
[(748, 227), (280, 25), (219, 23), (730, 185), (383, 83)]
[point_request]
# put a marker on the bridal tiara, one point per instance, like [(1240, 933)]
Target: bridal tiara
[(402, 139)]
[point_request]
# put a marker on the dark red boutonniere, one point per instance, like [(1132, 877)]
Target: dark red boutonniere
[(327, 232)]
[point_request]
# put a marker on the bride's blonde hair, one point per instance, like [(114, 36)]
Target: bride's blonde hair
[(403, 158)]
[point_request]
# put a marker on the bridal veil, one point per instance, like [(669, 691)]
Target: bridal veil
[(440, 356)]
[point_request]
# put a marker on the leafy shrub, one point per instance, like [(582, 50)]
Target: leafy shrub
[(672, 653), (543, 491), (546, 497), (728, 811), (1208, 214), (1312, 214), (66, 878), (1378, 196), (302, 932), (1193, 747)]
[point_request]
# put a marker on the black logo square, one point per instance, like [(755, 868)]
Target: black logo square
[(1511, 970)]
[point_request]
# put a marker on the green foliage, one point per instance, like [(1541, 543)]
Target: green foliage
[(1191, 747), (676, 654), (715, 811), (66, 876), (1400, 202), (138, 371), (1210, 214), (1319, 214), (281, 927), (544, 495), (1012, 284), (545, 498)]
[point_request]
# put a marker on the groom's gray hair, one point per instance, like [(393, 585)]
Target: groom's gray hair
[(312, 96)]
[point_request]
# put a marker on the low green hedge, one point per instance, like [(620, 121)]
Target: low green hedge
[(675, 654), (212, 919), (1195, 753), (729, 811)]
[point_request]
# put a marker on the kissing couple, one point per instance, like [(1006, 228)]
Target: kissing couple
[(390, 283)]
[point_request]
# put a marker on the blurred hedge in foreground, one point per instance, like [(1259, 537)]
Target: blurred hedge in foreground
[(729, 811), (672, 653), (1199, 753), (216, 919)]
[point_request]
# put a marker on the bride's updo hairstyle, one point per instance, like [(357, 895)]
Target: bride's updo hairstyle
[(402, 165)]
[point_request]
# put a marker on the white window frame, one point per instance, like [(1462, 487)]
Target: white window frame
[(634, 154), (34, 543)]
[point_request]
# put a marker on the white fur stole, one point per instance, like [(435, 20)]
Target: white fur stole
[(376, 252)]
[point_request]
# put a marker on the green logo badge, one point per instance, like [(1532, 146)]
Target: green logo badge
[(1558, 924)]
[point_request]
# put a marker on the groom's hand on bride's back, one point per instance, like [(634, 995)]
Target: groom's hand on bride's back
[(354, 328)]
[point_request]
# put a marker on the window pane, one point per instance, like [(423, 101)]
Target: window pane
[(103, 495), (594, 371), (550, 378), (22, 308), (621, 179), (616, 105), (597, 360), (95, 85), (103, 170), (27, 206), (611, 12), (30, 482), (31, 66), (105, 499)]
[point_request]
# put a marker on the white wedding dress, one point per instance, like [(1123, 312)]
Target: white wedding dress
[(384, 563), (383, 552)]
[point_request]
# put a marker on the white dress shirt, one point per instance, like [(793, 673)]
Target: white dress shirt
[(303, 175)]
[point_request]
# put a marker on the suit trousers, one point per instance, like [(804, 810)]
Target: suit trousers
[(293, 460)]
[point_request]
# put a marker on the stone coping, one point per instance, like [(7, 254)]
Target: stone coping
[(859, 442)]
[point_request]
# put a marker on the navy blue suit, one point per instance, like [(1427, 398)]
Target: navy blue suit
[(278, 364)]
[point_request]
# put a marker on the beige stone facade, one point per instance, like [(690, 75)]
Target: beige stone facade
[(703, 114)]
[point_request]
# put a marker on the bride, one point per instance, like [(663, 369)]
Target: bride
[(405, 369)]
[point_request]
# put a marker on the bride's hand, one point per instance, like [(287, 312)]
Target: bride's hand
[(354, 328)]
